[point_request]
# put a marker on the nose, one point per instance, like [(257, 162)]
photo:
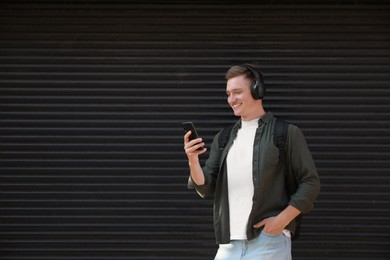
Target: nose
[(231, 98)]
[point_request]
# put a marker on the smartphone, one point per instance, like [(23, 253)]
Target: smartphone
[(189, 126)]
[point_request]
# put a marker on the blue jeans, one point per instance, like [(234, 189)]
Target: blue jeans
[(264, 247)]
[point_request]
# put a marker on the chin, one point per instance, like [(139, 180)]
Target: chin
[(237, 113)]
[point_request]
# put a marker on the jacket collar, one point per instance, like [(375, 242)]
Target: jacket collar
[(266, 118)]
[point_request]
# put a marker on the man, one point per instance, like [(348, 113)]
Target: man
[(253, 213)]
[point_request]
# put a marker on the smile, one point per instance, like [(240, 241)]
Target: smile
[(237, 105)]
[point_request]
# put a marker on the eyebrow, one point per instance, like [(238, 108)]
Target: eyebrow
[(234, 89)]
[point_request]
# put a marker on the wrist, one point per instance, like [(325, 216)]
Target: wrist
[(193, 161), (287, 215)]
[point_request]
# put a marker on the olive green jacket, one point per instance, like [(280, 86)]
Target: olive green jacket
[(270, 195)]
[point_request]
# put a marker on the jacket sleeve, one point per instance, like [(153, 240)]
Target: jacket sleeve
[(210, 171), (305, 173)]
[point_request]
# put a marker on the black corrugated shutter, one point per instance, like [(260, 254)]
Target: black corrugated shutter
[(93, 94)]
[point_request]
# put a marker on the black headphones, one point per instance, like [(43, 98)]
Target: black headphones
[(258, 88)]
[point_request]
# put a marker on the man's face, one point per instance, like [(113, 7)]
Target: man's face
[(240, 98)]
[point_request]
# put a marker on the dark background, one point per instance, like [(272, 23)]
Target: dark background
[(93, 93)]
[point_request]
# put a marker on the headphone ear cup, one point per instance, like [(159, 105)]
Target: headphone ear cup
[(261, 90), (258, 90), (255, 90)]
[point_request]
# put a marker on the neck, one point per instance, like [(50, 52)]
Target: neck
[(256, 114)]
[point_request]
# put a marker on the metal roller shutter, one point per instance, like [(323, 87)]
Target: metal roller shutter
[(93, 94)]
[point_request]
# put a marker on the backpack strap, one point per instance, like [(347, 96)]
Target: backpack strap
[(280, 137), (224, 137)]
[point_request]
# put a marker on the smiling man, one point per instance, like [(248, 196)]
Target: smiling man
[(240, 98), (254, 215)]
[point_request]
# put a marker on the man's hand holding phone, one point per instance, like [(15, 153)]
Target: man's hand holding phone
[(193, 144)]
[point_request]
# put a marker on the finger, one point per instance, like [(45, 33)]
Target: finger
[(199, 145), (192, 143), (195, 142), (187, 137), (202, 151), (193, 148)]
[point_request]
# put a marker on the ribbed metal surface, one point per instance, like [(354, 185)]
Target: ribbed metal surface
[(92, 97)]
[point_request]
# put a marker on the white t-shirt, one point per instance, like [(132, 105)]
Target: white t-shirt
[(240, 183)]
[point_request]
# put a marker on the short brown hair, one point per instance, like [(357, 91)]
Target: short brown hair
[(238, 70)]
